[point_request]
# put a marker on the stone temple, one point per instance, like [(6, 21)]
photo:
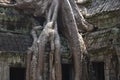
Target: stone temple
[(103, 44)]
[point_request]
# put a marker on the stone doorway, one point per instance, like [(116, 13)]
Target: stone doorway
[(66, 72), (98, 70), (17, 73)]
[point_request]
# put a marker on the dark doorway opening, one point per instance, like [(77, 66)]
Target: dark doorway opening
[(17, 73), (98, 69), (66, 72)]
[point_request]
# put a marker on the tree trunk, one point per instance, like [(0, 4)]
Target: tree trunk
[(72, 36), (75, 40)]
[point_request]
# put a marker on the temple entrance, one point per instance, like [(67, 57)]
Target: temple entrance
[(17, 73), (98, 69), (66, 72)]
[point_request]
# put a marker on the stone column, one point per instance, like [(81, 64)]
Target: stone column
[(4, 71), (107, 67), (118, 54)]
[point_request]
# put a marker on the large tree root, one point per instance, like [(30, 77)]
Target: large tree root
[(75, 40), (49, 34), (82, 24), (32, 58)]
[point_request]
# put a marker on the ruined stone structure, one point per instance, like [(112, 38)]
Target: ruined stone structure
[(103, 44)]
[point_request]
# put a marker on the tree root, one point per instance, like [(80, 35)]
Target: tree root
[(75, 40)]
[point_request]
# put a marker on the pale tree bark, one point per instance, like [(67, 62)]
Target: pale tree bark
[(75, 40)]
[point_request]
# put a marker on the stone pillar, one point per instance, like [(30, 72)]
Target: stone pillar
[(119, 67), (4, 71), (118, 54), (107, 67)]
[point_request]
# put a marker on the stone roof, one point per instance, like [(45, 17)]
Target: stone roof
[(14, 42), (102, 39), (100, 6)]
